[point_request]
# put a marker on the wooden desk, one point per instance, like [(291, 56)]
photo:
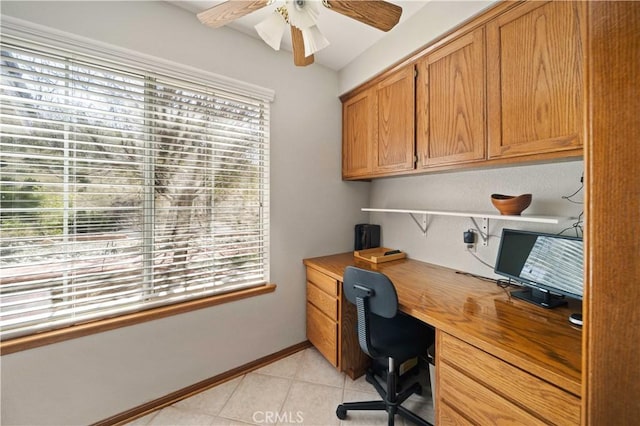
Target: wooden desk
[(526, 357)]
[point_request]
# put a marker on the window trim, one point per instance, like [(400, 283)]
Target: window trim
[(32, 33), (105, 324)]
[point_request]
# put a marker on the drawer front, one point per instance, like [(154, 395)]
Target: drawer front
[(449, 416), (322, 281), (326, 303), (480, 404), (322, 331), (555, 405)]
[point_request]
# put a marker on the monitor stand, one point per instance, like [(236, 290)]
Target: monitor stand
[(539, 297)]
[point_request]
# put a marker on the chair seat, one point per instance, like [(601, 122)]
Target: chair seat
[(401, 338)]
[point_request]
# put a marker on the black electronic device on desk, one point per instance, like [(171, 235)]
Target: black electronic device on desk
[(549, 265), (367, 236)]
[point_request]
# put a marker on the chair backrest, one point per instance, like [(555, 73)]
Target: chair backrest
[(372, 293), (383, 299)]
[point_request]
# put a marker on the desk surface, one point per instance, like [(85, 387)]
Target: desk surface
[(532, 338)]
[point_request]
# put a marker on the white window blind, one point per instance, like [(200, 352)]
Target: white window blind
[(123, 189)]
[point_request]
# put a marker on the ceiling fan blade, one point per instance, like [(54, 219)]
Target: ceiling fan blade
[(297, 41), (377, 13), (223, 13)]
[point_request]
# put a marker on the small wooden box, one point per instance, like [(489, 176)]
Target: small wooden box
[(376, 255)]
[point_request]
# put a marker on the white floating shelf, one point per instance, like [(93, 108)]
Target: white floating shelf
[(537, 219), (483, 229)]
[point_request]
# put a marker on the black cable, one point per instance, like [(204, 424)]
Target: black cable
[(502, 283), (478, 259), (505, 284), (577, 225), (568, 197), (480, 277)]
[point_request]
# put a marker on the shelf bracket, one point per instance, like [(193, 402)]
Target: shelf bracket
[(423, 225), (482, 230)]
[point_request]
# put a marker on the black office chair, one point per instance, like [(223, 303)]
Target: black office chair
[(385, 333)]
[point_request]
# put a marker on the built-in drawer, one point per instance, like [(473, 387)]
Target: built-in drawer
[(323, 301), (322, 332), (477, 402), (324, 282), (449, 416), (522, 388)]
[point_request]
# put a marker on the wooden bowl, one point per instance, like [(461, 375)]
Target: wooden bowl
[(510, 204)]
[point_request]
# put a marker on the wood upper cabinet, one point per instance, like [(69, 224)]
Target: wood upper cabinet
[(378, 127), (504, 88), (450, 102), (359, 115), (394, 146), (535, 88)]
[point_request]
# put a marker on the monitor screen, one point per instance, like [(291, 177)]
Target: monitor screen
[(546, 262)]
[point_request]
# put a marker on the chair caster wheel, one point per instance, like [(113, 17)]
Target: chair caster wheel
[(341, 413)]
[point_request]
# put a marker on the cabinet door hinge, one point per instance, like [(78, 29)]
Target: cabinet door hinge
[(415, 73)]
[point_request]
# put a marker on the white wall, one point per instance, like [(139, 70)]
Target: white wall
[(434, 19), (312, 213)]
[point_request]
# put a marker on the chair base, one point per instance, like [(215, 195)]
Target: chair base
[(392, 407)]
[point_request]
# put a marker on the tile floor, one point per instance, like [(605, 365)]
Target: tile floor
[(302, 389)]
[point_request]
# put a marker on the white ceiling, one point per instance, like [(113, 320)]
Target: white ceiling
[(348, 38)]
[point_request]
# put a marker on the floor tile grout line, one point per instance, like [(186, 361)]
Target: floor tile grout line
[(290, 377), (219, 415), (318, 383), (230, 395), (284, 401), (300, 362), (198, 411), (291, 381)]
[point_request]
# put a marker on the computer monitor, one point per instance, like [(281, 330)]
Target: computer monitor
[(549, 265)]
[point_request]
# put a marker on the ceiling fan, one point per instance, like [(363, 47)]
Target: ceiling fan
[(301, 16)]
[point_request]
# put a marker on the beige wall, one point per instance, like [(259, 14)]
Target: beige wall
[(312, 213)]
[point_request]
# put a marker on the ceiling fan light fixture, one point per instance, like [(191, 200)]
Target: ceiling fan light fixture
[(314, 40), (302, 13), (301, 16), (272, 28)]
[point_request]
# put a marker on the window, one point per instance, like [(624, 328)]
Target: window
[(123, 189)]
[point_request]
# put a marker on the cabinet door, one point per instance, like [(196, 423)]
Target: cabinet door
[(359, 116), (535, 88), (394, 147), (450, 101)]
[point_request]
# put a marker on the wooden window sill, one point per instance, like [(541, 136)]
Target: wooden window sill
[(80, 330)]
